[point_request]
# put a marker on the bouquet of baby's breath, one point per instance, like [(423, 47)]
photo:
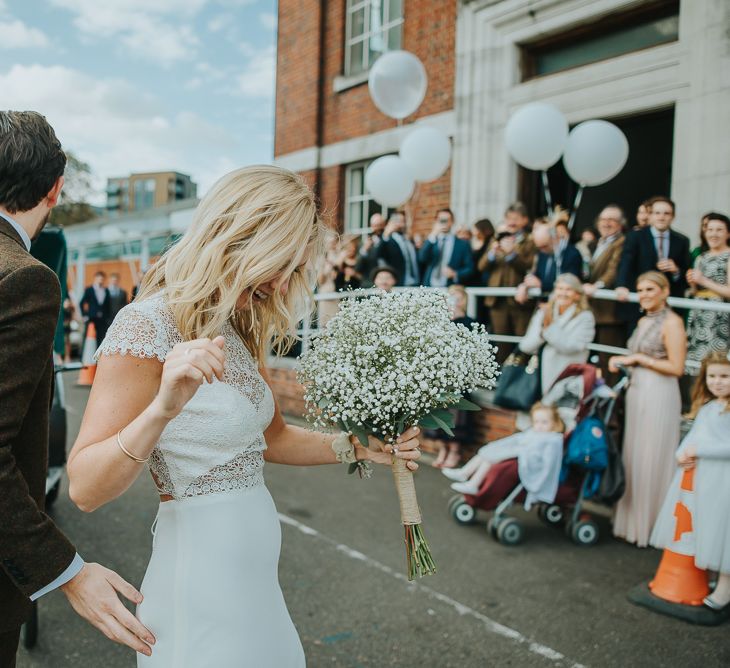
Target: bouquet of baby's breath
[(387, 362)]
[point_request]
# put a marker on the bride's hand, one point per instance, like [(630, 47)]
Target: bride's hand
[(186, 367), (406, 446)]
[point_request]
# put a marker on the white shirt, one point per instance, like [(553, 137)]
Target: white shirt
[(78, 563), (19, 229)]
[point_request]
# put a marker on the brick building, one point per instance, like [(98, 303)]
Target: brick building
[(656, 68), (327, 128)]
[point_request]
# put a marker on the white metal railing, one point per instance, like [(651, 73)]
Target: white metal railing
[(307, 331)]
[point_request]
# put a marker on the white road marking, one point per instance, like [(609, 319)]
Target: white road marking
[(490, 625)]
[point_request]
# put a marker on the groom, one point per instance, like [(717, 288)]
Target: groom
[(35, 557)]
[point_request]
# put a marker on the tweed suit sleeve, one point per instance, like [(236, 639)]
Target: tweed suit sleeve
[(33, 552)]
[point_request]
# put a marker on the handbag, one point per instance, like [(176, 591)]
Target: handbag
[(613, 481), (519, 385)]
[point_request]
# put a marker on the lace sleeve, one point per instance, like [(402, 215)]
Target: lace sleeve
[(140, 329)]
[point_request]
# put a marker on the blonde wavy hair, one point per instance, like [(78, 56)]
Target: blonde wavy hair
[(573, 282), (255, 225)]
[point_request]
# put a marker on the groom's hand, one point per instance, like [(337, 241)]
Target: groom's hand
[(93, 595)]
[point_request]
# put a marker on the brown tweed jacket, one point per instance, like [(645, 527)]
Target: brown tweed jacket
[(504, 274), (604, 269), (33, 552)]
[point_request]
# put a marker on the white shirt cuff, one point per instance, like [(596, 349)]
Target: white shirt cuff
[(71, 572)]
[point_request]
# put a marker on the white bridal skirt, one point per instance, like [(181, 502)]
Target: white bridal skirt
[(211, 591)]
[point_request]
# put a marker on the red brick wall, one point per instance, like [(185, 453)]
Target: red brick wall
[(428, 31), (297, 71), (489, 424)]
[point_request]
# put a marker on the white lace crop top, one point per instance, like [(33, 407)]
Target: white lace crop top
[(216, 443)]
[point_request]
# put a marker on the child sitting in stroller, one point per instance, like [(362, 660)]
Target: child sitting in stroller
[(538, 449)]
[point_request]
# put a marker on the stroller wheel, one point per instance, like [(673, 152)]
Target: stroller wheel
[(463, 513), (551, 514), (510, 531), (493, 525), (454, 501), (585, 532)]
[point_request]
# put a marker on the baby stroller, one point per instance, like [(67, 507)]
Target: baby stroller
[(578, 394)]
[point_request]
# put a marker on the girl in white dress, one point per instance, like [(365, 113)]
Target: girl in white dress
[(706, 448), (180, 385)]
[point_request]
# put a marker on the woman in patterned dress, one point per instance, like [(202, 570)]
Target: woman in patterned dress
[(653, 409), (708, 331)]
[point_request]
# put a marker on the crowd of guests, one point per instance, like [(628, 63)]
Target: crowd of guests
[(524, 254), (646, 256)]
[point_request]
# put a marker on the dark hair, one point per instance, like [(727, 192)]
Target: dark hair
[(31, 159), (518, 208), (387, 269), (99, 273), (661, 198), (446, 210), (485, 228), (721, 217), (114, 274)]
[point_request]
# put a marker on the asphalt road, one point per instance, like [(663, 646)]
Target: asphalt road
[(544, 603)]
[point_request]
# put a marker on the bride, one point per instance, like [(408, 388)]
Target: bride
[(180, 386)]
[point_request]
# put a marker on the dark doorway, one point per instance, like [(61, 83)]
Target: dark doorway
[(648, 172)]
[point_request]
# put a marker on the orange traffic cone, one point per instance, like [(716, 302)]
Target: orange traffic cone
[(86, 376), (677, 579), (679, 586)]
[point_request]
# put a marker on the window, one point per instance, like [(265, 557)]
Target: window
[(359, 204), (144, 194), (372, 28), (648, 25)]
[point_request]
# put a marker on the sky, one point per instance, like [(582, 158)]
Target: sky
[(146, 85)]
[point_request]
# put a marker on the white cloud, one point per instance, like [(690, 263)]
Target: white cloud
[(153, 29), (219, 22), (15, 34), (259, 77), (118, 129), (268, 20)]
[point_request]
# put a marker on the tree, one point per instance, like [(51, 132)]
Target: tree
[(77, 189)]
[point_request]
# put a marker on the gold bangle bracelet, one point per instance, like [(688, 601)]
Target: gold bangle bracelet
[(127, 452)]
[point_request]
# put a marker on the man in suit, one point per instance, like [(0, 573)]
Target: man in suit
[(610, 331), (117, 297), (35, 557), (445, 259), (367, 258), (509, 259), (95, 306), (654, 247), (555, 256), (397, 250)]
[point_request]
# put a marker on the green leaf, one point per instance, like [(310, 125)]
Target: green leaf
[(444, 414), (400, 425), (323, 402), (352, 468), (428, 421), (443, 425), (466, 405)]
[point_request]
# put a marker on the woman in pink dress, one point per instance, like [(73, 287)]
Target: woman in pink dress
[(653, 409)]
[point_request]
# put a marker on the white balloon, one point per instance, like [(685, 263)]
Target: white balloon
[(390, 181), (427, 152), (596, 151), (536, 134), (398, 83)]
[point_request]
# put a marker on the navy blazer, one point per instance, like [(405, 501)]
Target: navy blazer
[(94, 310), (639, 255), (388, 252), (461, 260), (546, 270)]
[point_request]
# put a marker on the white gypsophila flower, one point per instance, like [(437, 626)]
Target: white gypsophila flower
[(387, 360)]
